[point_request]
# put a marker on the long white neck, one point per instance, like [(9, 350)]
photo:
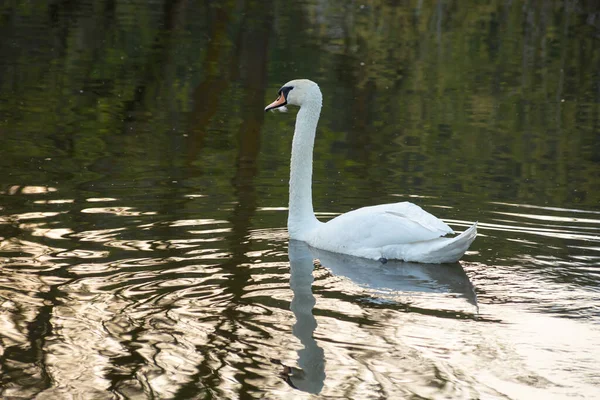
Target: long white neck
[(301, 218)]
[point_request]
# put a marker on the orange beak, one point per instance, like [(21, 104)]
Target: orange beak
[(281, 101)]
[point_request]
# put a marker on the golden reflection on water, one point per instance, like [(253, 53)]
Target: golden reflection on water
[(181, 316), (16, 189)]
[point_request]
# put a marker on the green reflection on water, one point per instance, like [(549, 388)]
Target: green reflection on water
[(495, 101)]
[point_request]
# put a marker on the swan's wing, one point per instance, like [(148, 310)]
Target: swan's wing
[(417, 215), (382, 225)]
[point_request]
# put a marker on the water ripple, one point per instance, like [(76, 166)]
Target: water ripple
[(161, 307)]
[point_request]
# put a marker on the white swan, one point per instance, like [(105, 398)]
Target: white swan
[(401, 231)]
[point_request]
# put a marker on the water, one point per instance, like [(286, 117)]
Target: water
[(143, 199)]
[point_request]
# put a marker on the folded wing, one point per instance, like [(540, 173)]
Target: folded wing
[(382, 225)]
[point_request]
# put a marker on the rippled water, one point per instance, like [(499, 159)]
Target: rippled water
[(99, 298), (143, 248)]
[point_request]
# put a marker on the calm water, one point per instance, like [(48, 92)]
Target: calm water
[(143, 195)]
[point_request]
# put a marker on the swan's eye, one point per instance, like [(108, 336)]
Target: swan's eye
[(284, 91)]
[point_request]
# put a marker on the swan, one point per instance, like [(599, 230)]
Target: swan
[(395, 231)]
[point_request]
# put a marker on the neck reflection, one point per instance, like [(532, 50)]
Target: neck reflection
[(310, 375)]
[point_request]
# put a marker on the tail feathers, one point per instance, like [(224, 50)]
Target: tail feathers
[(435, 251)]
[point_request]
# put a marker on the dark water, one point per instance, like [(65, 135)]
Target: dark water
[(143, 198)]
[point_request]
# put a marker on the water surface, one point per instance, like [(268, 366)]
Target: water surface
[(143, 195)]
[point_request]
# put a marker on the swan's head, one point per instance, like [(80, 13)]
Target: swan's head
[(297, 92)]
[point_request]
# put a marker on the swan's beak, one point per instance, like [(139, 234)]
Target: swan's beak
[(280, 102)]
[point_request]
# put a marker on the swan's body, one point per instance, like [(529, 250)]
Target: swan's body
[(401, 231)]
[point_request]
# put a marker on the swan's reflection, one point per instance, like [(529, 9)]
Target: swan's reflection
[(311, 360), (380, 279), (395, 277)]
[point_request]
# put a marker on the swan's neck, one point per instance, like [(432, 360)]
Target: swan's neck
[(301, 218)]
